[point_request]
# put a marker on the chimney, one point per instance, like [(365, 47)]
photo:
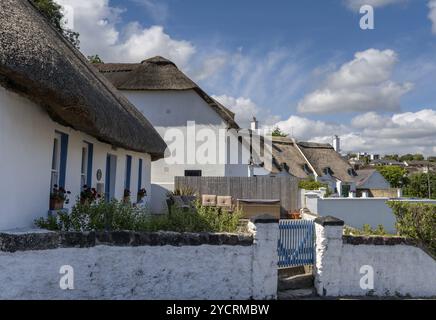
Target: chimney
[(337, 144), (254, 124)]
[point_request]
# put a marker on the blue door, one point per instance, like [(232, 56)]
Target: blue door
[(296, 243)]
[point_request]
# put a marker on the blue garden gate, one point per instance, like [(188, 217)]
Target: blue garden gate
[(296, 243)]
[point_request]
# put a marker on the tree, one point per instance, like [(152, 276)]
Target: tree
[(392, 157), (418, 185), (53, 12), (418, 157), (95, 59), (406, 157), (277, 132), (395, 175), (431, 159)]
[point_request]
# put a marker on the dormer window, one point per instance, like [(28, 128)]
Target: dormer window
[(328, 171), (352, 172), (306, 169)]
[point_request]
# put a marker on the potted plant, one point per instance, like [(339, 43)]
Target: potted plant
[(88, 195), (58, 197), (142, 194), (126, 197)]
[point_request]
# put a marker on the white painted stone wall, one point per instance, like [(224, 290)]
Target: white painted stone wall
[(168, 110), (356, 212), (399, 270), (147, 272), (26, 148)]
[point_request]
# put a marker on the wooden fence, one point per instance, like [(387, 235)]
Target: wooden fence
[(264, 188)]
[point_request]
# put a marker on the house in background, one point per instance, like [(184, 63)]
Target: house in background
[(61, 122), (308, 160), (172, 102), (371, 183), (416, 166)]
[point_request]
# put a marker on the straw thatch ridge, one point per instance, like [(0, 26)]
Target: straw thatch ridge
[(323, 156), (287, 156), (36, 61), (159, 74)]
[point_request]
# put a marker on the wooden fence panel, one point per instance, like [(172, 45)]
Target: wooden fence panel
[(264, 188)]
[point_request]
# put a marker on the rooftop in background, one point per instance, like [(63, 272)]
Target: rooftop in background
[(363, 176), (320, 157), (155, 74)]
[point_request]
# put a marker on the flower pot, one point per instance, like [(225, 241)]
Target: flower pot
[(85, 202), (56, 204)]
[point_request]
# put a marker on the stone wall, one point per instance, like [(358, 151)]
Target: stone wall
[(399, 266), (131, 265)]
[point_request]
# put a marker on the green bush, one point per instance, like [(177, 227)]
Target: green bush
[(311, 185), (416, 221), (115, 216), (367, 230)]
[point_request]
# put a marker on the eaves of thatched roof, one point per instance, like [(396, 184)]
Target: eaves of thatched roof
[(159, 74), (37, 62), (323, 156)]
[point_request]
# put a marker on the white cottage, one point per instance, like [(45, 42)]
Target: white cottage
[(61, 122), (184, 115), (315, 161)]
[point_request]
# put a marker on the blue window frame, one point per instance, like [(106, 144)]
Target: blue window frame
[(140, 175), (128, 172), (59, 159)]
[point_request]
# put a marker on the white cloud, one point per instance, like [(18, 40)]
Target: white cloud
[(409, 132), (158, 10), (244, 108), (356, 4), (432, 14), (98, 25), (305, 129), (360, 85)]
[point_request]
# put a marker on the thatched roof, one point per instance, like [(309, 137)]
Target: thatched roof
[(159, 74), (286, 156), (37, 62), (322, 157)]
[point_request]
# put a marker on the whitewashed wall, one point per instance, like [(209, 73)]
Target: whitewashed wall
[(147, 272), (172, 110), (399, 270), (356, 212), (26, 145)]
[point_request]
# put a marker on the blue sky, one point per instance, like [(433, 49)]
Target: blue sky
[(304, 65)]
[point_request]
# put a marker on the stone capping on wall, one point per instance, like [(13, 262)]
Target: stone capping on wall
[(329, 221), (377, 240), (44, 240), (371, 240)]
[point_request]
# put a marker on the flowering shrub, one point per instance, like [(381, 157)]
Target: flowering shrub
[(114, 215), (89, 195), (59, 194)]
